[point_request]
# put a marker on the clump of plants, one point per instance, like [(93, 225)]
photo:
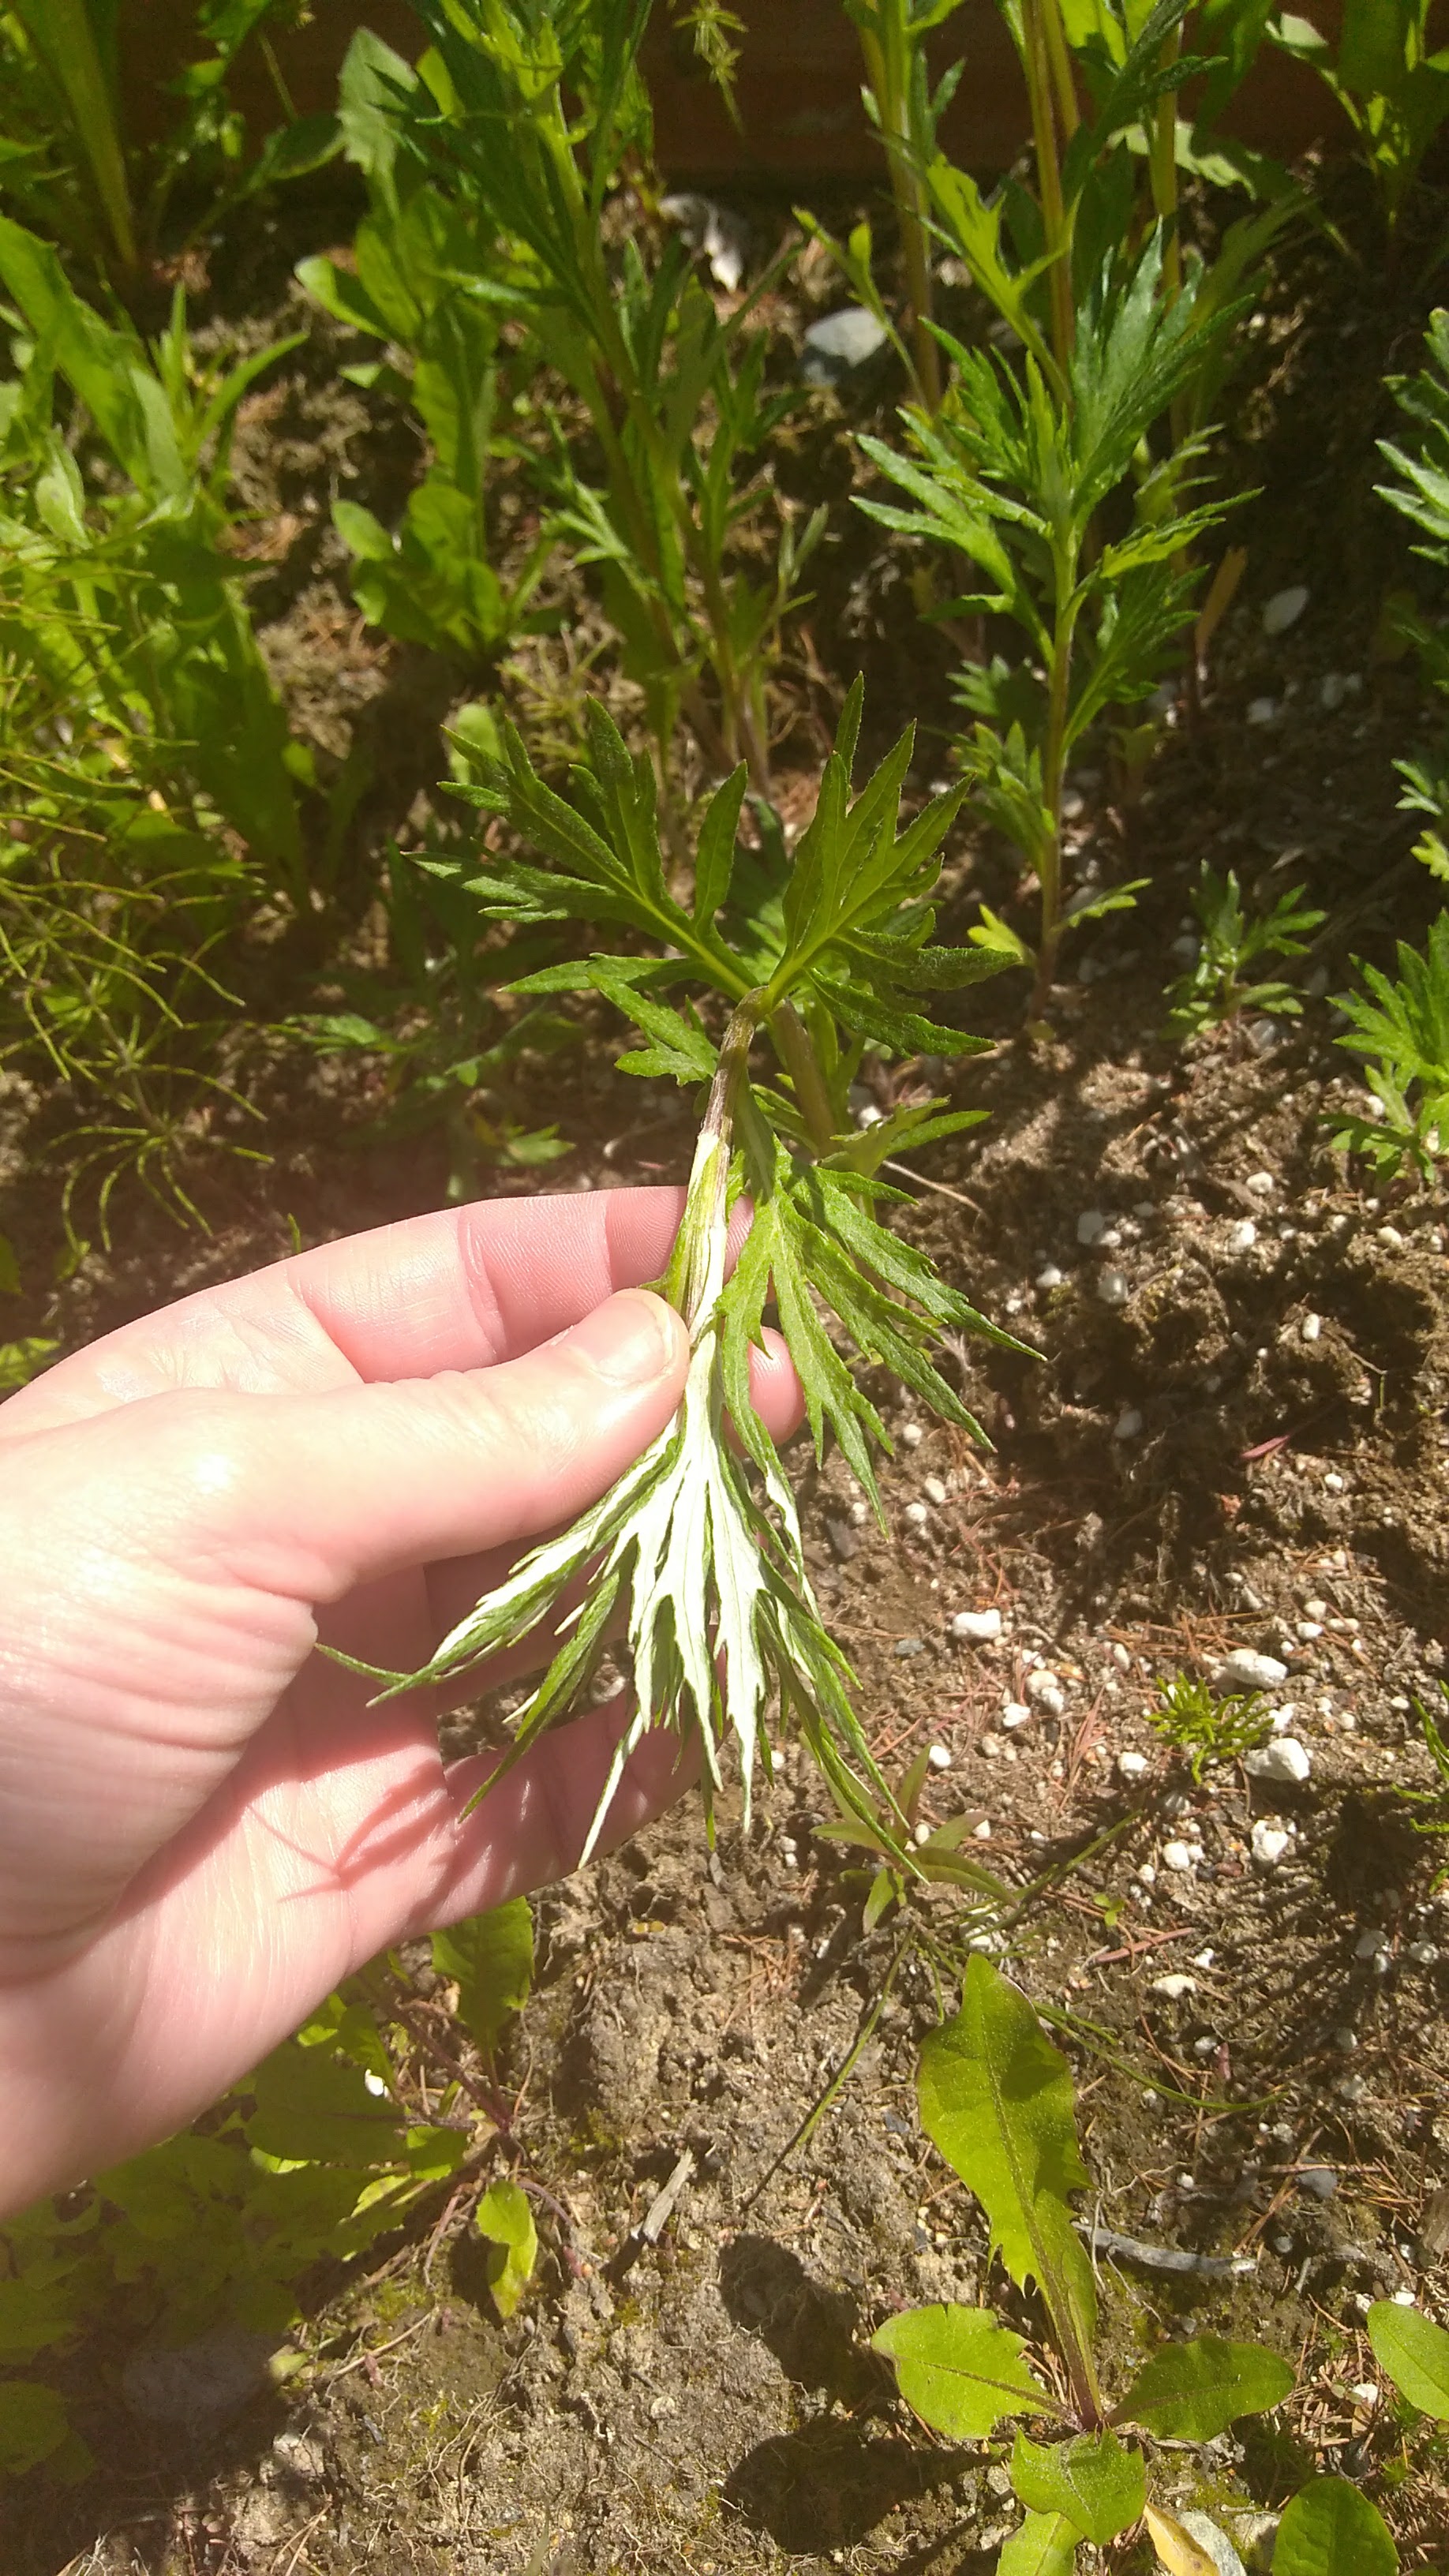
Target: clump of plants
[(996, 2098), (1206, 1726), (696, 1551), (1219, 985)]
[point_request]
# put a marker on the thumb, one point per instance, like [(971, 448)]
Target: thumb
[(326, 1491)]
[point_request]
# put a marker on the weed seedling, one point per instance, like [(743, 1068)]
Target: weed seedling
[(1400, 1032), (996, 2099), (1217, 987), (1205, 1728)]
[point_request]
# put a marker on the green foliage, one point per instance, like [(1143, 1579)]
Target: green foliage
[(905, 111), (1400, 1032), (1415, 2354), (315, 2156), (1012, 476), (1330, 2529), (22, 1360), (1391, 86), (1431, 1806), (697, 1549), (491, 1958), (140, 737), (1420, 494), (525, 116), (418, 283), (444, 1042), (505, 2218), (996, 2099), (66, 163), (1217, 986), (959, 2369), (1206, 1726), (1192, 2392)]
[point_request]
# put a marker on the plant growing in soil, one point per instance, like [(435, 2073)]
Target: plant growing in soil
[(534, 115), (1419, 492), (1400, 1033), (418, 261), (327, 2146), (1205, 1728), (1390, 84), (69, 167), (1216, 986), (996, 2099), (906, 112), (1013, 474), (697, 1549)]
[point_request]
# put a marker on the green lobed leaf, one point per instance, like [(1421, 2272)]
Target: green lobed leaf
[(1190, 2392), (34, 2423), (504, 2217), (1095, 2484), (996, 2098), (491, 1958), (1045, 2545), (1415, 2354), (960, 2369), (313, 2104), (1331, 2529)]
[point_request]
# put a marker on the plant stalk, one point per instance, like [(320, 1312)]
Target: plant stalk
[(889, 67), (1037, 63)]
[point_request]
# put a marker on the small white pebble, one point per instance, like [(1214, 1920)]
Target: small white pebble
[(1147, 1874), (1284, 1759), (1270, 1842), (982, 1833), (1364, 2393), (859, 1513), (1128, 1423), (1203, 2047), (1245, 1670), (922, 1835), (1243, 1235), (1174, 1987), (1369, 1944), (1402, 2299), (1091, 1226), (1333, 1483), (1014, 1714), (1050, 1277), (375, 2083), (981, 1627), (1390, 1237), (912, 1435), (915, 1516), (1262, 1184), (1307, 1630), (1203, 1958), (1131, 1765), (1045, 1691), (1350, 2088), (1121, 1658), (1310, 1328), (1262, 711), (1284, 608), (1425, 1954), (939, 1756), (934, 1490), (1177, 1856), (1315, 1609), (1112, 1288)]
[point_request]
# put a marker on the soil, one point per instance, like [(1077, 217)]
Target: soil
[(1232, 1434)]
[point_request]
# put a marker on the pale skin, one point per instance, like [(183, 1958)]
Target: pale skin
[(203, 1826)]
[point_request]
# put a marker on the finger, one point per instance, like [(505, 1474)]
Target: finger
[(461, 1289), (306, 1496)]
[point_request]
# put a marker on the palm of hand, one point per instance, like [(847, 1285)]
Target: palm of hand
[(203, 1827)]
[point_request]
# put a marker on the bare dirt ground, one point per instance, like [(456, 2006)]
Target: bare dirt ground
[(1234, 1437)]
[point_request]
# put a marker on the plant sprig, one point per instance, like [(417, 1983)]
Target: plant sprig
[(697, 1548)]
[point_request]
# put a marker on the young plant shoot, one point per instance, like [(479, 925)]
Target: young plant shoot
[(697, 1550), (996, 2099)]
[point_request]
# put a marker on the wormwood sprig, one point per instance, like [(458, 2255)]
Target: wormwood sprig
[(697, 1548)]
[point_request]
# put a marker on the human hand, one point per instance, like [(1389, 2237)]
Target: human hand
[(203, 1826)]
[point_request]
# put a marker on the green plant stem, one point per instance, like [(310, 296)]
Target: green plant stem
[(1036, 58), (1053, 781), (63, 33), (792, 1043), (888, 68)]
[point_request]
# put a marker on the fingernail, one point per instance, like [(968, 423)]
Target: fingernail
[(632, 1340)]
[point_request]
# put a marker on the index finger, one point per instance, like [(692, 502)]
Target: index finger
[(459, 1289)]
